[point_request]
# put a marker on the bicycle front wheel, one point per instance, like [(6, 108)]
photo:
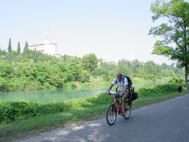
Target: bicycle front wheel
[(128, 110), (111, 114)]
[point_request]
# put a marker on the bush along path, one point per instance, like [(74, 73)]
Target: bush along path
[(11, 111)]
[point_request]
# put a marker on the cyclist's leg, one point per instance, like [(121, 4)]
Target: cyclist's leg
[(125, 96), (117, 96)]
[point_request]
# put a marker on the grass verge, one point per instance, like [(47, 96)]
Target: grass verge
[(35, 125)]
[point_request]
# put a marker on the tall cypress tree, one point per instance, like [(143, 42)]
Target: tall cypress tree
[(0, 51), (18, 48), (26, 45), (26, 50), (64, 57), (10, 46)]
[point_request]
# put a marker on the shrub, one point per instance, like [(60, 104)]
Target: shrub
[(157, 89), (176, 80), (85, 76), (23, 109), (71, 84)]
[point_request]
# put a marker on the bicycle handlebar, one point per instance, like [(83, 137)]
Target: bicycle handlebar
[(110, 93)]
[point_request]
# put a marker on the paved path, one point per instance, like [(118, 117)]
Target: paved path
[(164, 122)]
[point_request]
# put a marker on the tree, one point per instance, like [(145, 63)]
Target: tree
[(85, 76), (125, 70), (18, 47), (26, 51), (15, 53), (64, 57), (25, 60), (3, 52), (89, 62), (136, 66), (176, 31), (75, 60), (123, 67), (53, 61), (35, 59), (26, 46), (10, 46)]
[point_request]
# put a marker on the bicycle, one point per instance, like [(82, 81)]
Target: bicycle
[(111, 114)]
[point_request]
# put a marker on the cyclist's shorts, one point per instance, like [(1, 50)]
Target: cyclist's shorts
[(125, 95)]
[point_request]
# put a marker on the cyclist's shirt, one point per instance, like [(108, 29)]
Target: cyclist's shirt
[(121, 85)]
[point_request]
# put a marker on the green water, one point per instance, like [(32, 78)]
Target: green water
[(61, 94)]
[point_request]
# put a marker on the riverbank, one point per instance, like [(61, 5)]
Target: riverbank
[(74, 111), (93, 82)]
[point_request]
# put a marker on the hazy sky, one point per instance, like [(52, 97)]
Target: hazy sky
[(112, 29)]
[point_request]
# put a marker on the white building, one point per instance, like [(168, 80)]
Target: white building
[(46, 48)]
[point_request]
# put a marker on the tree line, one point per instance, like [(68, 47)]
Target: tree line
[(89, 63), (135, 69)]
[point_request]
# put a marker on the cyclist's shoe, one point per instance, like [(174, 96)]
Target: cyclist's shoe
[(122, 113)]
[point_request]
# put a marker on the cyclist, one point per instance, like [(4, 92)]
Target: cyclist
[(123, 92)]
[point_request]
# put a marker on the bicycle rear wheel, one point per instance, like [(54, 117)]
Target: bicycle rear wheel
[(128, 110), (111, 114)]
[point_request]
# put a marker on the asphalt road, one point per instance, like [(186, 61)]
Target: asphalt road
[(163, 122)]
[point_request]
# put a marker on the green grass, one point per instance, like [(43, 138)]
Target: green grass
[(80, 110), (36, 125)]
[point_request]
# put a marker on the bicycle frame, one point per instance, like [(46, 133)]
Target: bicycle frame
[(115, 103)]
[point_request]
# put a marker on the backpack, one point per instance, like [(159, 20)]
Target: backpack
[(134, 96)]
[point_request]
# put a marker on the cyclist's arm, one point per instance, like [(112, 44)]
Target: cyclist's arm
[(110, 89), (113, 83)]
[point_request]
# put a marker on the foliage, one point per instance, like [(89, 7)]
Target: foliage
[(10, 46), (3, 52), (26, 46), (147, 71), (157, 90), (124, 67), (85, 76), (89, 62), (106, 77), (11, 111), (27, 75), (23, 109), (75, 60), (176, 30), (99, 72), (18, 48), (176, 80), (25, 60), (15, 53), (35, 70), (66, 58)]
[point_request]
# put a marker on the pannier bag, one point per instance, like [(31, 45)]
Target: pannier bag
[(134, 96)]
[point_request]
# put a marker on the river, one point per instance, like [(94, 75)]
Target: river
[(61, 94)]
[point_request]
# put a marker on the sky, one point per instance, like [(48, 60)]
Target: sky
[(112, 29)]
